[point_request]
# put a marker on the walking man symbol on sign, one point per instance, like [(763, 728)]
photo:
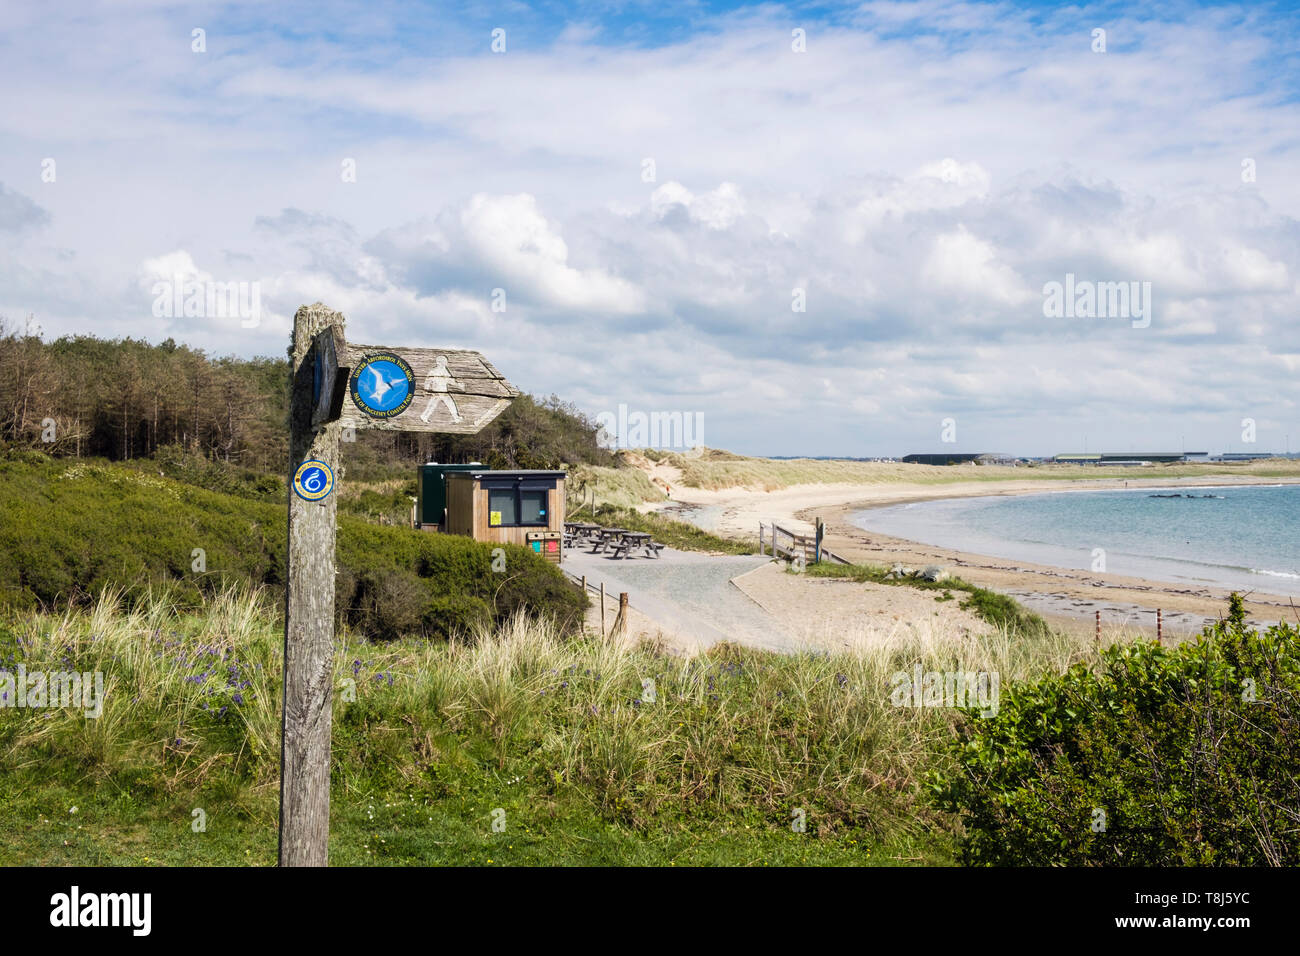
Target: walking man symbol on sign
[(436, 383)]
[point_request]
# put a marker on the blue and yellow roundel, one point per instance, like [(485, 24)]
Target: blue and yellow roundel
[(382, 385), (313, 480)]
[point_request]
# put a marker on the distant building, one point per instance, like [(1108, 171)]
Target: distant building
[(958, 458), (1129, 457)]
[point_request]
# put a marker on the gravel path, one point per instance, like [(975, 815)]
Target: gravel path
[(689, 595)]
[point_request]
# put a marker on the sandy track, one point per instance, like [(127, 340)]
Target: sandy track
[(843, 615)]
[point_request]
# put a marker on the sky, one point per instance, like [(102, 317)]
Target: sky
[(827, 229)]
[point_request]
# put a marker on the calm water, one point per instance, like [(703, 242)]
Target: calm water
[(1240, 537)]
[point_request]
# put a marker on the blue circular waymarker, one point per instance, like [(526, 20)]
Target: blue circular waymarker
[(382, 385), (313, 480)]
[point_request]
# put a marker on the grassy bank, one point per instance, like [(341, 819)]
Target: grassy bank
[(522, 747), (665, 530), (716, 470), (624, 487), (566, 738), (69, 530)]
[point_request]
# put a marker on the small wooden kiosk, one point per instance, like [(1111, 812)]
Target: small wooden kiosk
[(510, 507)]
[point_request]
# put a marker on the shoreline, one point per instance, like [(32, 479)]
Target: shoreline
[(1067, 597)]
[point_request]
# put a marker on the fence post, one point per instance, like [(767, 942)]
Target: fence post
[(1160, 626), (602, 608), (620, 622), (1098, 629), (817, 547)]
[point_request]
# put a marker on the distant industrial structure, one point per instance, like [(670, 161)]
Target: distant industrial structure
[(1251, 456), (1131, 458), (1109, 459), (961, 458)]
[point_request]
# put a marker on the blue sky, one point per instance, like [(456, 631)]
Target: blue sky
[(653, 186)]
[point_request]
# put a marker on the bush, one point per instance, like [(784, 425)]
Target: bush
[(455, 616), (388, 605), (1158, 757), (68, 531)]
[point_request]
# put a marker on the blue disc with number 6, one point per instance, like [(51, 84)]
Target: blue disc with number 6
[(313, 480)]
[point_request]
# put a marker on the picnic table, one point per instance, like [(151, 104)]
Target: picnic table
[(630, 541), (575, 531), (604, 537)]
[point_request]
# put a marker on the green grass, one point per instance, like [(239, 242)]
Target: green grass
[(407, 827), (624, 487), (665, 530), (715, 470), (559, 734)]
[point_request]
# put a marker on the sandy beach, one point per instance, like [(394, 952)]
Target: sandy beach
[(1068, 597)]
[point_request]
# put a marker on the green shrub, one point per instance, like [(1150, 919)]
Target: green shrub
[(70, 530), (1158, 757), (455, 615)]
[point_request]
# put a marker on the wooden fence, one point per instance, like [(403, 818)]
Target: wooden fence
[(792, 545), (620, 620)]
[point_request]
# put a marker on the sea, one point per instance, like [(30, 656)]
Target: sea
[(1241, 537)]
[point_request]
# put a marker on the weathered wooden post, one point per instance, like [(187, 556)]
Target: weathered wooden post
[(1098, 636), (336, 385), (620, 622), (1160, 626), (817, 547), (309, 590)]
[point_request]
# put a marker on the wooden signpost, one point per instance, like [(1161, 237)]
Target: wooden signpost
[(335, 384)]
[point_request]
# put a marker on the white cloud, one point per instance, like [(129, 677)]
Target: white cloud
[(963, 263), (510, 233), (718, 208), (921, 171)]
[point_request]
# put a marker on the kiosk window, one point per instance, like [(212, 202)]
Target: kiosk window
[(514, 506), (502, 501), (532, 507)]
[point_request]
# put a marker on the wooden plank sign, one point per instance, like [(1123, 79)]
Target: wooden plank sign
[(329, 381), (422, 390), (335, 385)]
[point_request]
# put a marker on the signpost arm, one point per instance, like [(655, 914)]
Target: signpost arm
[(309, 616)]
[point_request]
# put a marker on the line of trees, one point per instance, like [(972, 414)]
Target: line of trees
[(82, 396)]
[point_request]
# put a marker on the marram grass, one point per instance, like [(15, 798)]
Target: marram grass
[(596, 751)]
